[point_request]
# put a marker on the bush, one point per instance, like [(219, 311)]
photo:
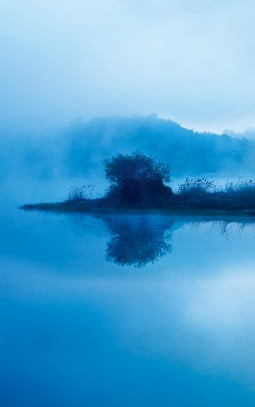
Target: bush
[(196, 186), (81, 193), (241, 186), (137, 179)]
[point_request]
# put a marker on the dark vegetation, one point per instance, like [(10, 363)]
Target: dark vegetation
[(137, 182), (200, 194)]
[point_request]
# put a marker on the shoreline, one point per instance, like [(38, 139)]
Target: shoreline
[(88, 208)]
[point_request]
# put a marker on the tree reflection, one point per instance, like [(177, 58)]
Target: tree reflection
[(137, 239)]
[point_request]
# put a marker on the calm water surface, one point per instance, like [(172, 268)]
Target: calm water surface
[(126, 311)]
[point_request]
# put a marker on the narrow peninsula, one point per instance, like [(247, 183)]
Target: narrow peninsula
[(139, 183)]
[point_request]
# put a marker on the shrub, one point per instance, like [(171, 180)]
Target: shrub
[(137, 179), (196, 186), (81, 193), (241, 186)]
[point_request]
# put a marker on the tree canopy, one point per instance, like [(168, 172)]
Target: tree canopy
[(137, 178), (137, 167)]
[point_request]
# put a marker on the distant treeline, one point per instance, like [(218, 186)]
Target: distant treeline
[(79, 149), (188, 152)]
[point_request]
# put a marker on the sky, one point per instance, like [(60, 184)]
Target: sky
[(192, 61)]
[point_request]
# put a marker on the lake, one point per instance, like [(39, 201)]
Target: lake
[(126, 310)]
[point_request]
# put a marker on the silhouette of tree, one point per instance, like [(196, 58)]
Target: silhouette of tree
[(137, 179)]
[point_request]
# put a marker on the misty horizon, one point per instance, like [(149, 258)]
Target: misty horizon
[(127, 173), (189, 61)]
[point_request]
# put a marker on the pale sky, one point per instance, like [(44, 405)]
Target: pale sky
[(192, 61)]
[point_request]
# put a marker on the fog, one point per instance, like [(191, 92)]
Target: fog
[(81, 81), (38, 168), (151, 309), (189, 61)]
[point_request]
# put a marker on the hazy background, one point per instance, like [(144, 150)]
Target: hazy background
[(188, 60), (80, 80)]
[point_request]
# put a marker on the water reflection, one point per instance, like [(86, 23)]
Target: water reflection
[(138, 240), (72, 323)]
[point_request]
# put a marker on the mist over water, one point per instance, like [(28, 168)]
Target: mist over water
[(148, 304), (155, 306), (121, 310), (44, 167)]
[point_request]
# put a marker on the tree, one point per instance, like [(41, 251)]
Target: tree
[(137, 179)]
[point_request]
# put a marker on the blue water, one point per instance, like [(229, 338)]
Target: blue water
[(125, 311)]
